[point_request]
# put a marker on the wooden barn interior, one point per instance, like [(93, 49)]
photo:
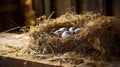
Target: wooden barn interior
[(17, 14), (14, 13)]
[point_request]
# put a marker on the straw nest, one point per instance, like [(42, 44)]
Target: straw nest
[(99, 38)]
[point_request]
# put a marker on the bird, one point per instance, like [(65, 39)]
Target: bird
[(65, 34), (71, 29), (77, 30)]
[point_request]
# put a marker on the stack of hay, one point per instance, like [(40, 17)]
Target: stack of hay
[(99, 37)]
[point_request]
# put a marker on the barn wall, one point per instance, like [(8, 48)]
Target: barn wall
[(107, 7), (10, 14), (13, 10)]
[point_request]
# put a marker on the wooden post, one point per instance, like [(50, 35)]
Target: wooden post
[(95, 5), (47, 7), (116, 8), (62, 6), (38, 7)]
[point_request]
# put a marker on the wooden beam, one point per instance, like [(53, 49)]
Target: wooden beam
[(15, 62)]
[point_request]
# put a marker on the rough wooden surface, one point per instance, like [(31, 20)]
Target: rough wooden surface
[(15, 62), (17, 41), (11, 61)]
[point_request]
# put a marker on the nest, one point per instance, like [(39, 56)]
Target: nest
[(99, 38)]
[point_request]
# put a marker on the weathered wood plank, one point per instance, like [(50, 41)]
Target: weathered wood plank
[(116, 8), (62, 6), (47, 7), (15, 62), (38, 7), (93, 5)]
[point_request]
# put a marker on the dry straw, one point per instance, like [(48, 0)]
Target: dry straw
[(99, 38)]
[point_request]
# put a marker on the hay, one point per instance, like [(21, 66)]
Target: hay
[(99, 38)]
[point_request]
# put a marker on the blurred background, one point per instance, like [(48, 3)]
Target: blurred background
[(14, 13)]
